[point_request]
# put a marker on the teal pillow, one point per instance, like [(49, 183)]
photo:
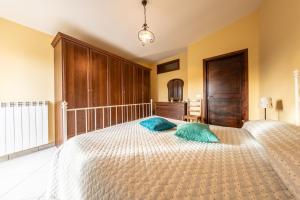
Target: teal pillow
[(157, 124), (196, 132)]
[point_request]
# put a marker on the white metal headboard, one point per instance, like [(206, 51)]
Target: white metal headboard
[(297, 96), (136, 111)]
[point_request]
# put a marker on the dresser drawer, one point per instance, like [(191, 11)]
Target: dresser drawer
[(171, 110)]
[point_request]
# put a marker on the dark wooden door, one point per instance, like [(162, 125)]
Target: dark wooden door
[(226, 89), (115, 90), (98, 89), (76, 84)]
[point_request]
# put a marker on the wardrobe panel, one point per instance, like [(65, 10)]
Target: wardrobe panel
[(127, 78), (146, 85), (58, 84), (138, 84), (115, 90), (146, 92), (138, 90), (98, 89), (76, 60)]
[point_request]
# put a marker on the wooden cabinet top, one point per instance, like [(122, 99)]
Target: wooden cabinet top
[(170, 103), (59, 36)]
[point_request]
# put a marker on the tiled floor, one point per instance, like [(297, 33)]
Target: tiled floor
[(26, 177)]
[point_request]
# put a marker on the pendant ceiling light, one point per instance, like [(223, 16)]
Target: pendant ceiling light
[(145, 35)]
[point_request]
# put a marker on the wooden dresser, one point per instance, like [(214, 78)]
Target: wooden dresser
[(174, 110)]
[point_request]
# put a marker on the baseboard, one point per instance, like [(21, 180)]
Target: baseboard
[(26, 152)]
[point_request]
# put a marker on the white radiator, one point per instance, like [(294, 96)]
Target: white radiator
[(23, 125)]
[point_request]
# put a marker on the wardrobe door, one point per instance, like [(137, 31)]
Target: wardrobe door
[(127, 78), (98, 90), (138, 90), (146, 92), (76, 60), (146, 86), (115, 91)]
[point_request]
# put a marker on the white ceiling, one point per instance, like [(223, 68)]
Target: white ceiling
[(113, 24)]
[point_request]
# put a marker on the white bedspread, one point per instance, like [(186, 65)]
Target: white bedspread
[(129, 162), (282, 143)]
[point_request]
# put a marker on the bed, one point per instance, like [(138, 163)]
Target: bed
[(127, 161)]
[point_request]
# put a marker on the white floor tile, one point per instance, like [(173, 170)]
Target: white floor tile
[(25, 177)]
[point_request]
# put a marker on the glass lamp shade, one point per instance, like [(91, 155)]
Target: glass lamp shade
[(146, 36), (266, 102)]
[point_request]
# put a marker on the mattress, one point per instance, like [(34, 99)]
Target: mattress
[(129, 162), (282, 143)]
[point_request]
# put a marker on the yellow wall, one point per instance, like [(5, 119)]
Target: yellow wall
[(160, 89), (26, 66), (280, 54), (242, 34), (274, 53)]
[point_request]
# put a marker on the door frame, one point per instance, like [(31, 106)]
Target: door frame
[(245, 92)]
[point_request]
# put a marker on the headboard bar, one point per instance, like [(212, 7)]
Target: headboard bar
[(137, 111)]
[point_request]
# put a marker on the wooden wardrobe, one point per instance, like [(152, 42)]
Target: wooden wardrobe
[(86, 76)]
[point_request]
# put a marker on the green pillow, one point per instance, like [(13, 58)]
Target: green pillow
[(196, 132), (157, 124)]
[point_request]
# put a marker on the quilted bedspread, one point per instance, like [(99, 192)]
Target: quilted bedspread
[(282, 143), (129, 162)]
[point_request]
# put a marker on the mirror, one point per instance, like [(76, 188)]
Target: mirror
[(175, 90)]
